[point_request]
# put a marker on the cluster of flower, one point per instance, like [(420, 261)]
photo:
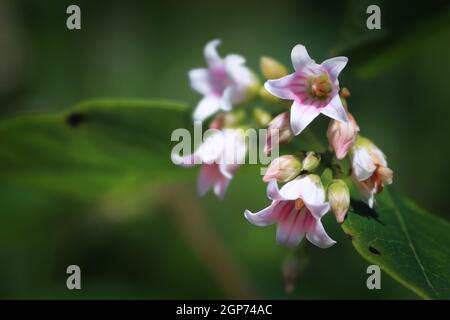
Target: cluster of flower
[(298, 206)]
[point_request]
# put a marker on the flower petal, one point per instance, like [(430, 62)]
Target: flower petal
[(210, 151), (265, 217), (367, 193), (234, 147), (301, 116), (273, 193), (317, 235), (335, 110), (221, 187), (199, 79), (362, 164), (210, 52), (206, 107), (318, 210), (291, 229), (233, 60), (207, 177), (237, 71), (312, 191), (300, 57), (280, 87), (228, 170), (334, 66), (229, 97)]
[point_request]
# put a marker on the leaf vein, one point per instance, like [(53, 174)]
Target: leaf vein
[(399, 216)]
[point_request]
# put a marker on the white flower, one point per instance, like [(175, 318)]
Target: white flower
[(220, 156), (223, 84), (369, 169)]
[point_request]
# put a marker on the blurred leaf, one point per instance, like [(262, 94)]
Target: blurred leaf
[(373, 51), (94, 147), (408, 243)]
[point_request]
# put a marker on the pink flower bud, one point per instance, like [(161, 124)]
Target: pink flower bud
[(342, 135), (283, 169), (279, 132)]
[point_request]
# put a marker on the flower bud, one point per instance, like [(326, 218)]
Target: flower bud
[(311, 161), (279, 132), (342, 135), (345, 93), (262, 117), (272, 69), (339, 198), (283, 169)]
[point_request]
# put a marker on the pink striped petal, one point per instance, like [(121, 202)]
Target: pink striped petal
[(290, 230), (317, 235), (281, 87), (335, 110), (265, 217), (209, 174), (334, 66), (301, 116)]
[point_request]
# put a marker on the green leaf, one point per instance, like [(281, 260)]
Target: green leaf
[(408, 243), (93, 147)]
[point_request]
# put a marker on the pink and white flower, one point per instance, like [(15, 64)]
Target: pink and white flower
[(223, 84), (342, 135), (369, 169), (297, 208), (220, 156), (313, 87)]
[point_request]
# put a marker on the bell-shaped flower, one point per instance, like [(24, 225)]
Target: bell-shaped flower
[(342, 135), (220, 156), (313, 87), (297, 208), (369, 169), (223, 84)]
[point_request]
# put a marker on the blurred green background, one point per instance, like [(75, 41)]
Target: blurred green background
[(160, 240)]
